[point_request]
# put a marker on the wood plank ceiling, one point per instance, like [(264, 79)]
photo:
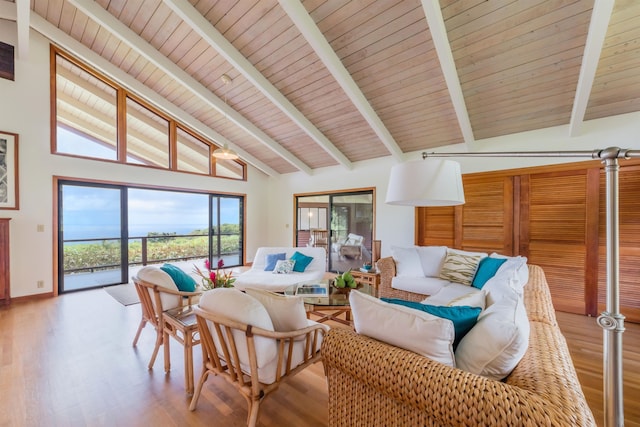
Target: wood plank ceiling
[(326, 82)]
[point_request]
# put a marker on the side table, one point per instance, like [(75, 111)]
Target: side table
[(181, 324), (371, 278)]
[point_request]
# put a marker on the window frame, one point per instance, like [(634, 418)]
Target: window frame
[(122, 94)]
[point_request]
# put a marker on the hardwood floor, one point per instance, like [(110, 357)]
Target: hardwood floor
[(68, 361)]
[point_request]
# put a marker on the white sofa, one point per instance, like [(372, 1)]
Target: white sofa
[(417, 270), (256, 277)]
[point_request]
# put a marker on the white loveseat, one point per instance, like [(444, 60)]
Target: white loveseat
[(256, 277), (416, 271)]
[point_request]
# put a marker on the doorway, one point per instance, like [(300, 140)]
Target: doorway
[(345, 219)]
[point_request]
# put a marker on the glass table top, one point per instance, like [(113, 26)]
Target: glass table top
[(335, 297)]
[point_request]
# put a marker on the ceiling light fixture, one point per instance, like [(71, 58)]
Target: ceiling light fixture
[(225, 153)]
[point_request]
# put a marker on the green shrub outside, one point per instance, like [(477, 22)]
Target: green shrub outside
[(160, 246)]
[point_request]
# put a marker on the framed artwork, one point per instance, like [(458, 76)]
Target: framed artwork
[(8, 170)]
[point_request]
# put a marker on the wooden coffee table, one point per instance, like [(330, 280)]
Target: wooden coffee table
[(332, 306)]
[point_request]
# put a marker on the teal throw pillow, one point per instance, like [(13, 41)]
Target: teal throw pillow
[(272, 259), (183, 281), (463, 317), (486, 270), (302, 261)]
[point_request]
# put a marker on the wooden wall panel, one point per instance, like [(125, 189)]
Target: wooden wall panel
[(435, 226), (557, 234), (555, 216), (487, 215)]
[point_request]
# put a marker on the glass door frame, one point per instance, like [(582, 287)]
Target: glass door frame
[(330, 195)]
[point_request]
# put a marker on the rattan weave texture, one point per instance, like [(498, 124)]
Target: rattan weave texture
[(374, 384)]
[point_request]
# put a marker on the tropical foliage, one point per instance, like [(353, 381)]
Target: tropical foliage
[(158, 246)]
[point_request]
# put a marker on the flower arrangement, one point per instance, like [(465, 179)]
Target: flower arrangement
[(214, 279)]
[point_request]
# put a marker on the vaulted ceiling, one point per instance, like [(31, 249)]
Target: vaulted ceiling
[(331, 82)]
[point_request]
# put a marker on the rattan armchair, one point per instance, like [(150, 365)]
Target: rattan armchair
[(155, 298), (236, 352)]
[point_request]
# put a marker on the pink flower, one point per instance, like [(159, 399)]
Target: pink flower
[(220, 263), (212, 276), (207, 264)]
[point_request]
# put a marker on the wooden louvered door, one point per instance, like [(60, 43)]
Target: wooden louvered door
[(484, 223), (629, 227), (487, 215), (558, 223)]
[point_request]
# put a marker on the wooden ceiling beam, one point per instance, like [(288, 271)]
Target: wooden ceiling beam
[(211, 35), (433, 14), (90, 57), (330, 59), (600, 16), (142, 47)]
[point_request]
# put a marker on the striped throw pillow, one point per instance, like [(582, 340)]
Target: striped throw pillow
[(459, 268)]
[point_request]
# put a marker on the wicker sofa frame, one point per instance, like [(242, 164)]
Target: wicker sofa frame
[(375, 384)]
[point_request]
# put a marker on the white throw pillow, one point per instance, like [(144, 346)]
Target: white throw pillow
[(431, 259), (407, 262), (507, 280), (460, 266), (495, 345), (457, 295), (287, 312), (519, 263), (284, 266), (403, 327)]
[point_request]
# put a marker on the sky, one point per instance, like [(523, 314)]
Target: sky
[(93, 212)]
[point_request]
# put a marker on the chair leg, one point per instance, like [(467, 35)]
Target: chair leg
[(155, 350), (196, 393), (254, 407), (143, 323)]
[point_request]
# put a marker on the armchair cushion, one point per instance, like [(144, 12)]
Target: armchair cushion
[(287, 313), (156, 276), (240, 307), (414, 330)]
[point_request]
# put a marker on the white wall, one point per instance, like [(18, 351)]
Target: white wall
[(25, 110), (395, 224)]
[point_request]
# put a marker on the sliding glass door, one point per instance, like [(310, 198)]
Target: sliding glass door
[(347, 218), (91, 245), (108, 232)]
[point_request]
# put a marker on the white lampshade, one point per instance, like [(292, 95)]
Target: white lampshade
[(428, 182)]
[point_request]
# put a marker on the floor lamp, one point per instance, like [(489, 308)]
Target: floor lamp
[(435, 184)]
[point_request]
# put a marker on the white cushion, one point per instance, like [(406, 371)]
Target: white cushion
[(460, 266), (156, 276), (403, 327), (284, 266), (495, 345), (507, 280), (455, 294), (287, 312), (520, 263), (240, 307), (419, 285), (407, 262), (318, 254), (431, 259)]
